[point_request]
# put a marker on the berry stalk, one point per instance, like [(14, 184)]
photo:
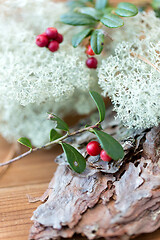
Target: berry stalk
[(57, 141)]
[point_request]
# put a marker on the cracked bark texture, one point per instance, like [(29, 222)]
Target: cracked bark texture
[(117, 200)]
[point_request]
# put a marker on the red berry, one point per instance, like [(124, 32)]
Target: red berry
[(105, 157), (89, 51), (44, 34), (91, 62), (93, 148), (42, 41), (53, 46), (51, 33), (59, 38)]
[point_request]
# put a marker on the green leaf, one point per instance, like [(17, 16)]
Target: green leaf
[(74, 158), (77, 19), (78, 38), (25, 141), (87, 125), (54, 135), (85, 1), (110, 145), (100, 104), (92, 12), (60, 123), (112, 21), (156, 4), (74, 4), (107, 10), (97, 41), (100, 4), (125, 9)]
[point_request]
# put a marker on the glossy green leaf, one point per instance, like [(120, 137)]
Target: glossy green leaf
[(112, 21), (77, 19), (97, 41), (54, 135), (75, 159), (78, 38), (60, 123), (100, 104), (100, 4), (25, 141), (125, 9), (92, 12), (110, 145)]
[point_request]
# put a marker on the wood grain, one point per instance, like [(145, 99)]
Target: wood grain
[(28, 176)]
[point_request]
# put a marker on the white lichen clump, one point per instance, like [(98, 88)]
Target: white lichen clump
[(144, 25), (33, 80), (131, 77)]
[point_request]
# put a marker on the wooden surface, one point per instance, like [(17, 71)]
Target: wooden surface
[(28, 176)]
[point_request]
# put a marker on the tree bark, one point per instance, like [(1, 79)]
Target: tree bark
[(116, 200)]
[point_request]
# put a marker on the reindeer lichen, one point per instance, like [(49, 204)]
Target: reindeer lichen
[(34, 81), (131, 78)]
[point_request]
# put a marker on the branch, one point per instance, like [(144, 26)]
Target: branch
[(144, 60), (48, 144)]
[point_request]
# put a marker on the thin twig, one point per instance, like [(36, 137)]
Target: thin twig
[(107, 35), (59, 140), (144, 60)]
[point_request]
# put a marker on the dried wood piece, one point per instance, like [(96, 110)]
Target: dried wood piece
[(78, 195), (96, 204)]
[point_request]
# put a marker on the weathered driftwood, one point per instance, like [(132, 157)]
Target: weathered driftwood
[(115, 201)]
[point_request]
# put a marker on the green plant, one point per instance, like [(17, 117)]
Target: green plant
[(156, 4), (76, 161), (95, 15), (156, 7)]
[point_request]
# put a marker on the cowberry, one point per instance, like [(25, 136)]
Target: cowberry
[(93, 148), (59, 38), (91, 62), (89, 51), (44, 34), (51, 33), (53, 46), (105, 157), (42, 41)]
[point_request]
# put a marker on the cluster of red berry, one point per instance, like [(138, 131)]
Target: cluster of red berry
[(94, 149), (91, 62), (50, 39)]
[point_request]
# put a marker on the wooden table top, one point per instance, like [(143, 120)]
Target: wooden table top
[(28, 176)]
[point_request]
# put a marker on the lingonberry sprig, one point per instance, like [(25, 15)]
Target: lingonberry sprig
[(91, 62), (50, 39), (111, 148), (89, 51), (94, 148), (95, 16), (104, 156)]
